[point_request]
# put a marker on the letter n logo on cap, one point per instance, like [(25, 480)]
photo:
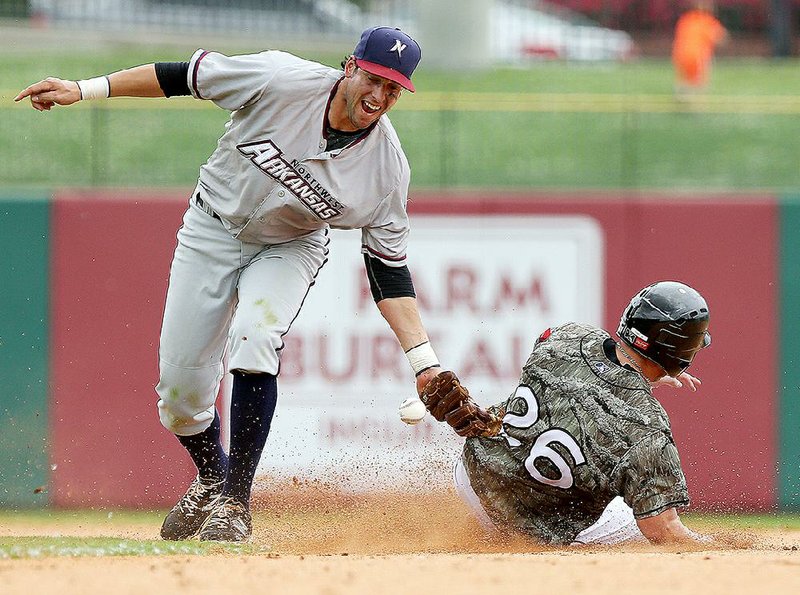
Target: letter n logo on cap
[(398, 47)]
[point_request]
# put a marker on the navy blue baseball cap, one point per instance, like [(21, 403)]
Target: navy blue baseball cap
[(390, 53)]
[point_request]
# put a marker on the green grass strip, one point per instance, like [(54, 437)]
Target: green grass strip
[(16, 548), (787, 522)]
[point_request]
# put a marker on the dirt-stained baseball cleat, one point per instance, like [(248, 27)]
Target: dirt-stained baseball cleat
[(192, 510), (229, 520)]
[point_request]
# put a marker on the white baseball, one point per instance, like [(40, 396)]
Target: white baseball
[(412, 410)]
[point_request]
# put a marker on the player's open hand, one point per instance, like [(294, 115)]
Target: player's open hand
[(683, 379), (49, 92)]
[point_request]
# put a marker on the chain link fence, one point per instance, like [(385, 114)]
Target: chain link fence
[(532, 142)]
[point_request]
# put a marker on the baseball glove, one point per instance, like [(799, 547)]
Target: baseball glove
[(449, 401)]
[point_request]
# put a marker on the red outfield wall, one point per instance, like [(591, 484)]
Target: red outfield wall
[(111, 254), (726, 247), (111, 259)]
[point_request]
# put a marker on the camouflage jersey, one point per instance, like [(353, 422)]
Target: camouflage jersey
[(579, 430)]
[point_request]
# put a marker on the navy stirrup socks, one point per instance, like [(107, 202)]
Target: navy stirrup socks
[(253, 401), (206, 451)]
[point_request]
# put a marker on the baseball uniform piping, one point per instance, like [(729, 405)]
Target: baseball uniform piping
[(194, 74), (303, 301), (325, 122), (383, 256)]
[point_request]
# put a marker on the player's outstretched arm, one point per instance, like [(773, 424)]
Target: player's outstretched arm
[(402, 315), (49, 92), (140, 81), (666, 528)]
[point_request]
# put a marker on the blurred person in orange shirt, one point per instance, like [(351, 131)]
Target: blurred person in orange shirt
[(697, 34)]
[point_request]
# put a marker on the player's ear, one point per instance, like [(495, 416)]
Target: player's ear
[(350, 67)]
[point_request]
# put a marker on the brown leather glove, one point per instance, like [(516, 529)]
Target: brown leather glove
[(449, 401)]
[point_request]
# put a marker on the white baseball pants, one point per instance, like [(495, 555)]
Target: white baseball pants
[(226, 294), (616, 525)]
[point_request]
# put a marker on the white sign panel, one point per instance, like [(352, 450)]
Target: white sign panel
[(486, 286)]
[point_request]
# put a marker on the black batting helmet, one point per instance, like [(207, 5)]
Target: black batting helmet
[(667, 323)]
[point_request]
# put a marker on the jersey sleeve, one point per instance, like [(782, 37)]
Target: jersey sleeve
[(231, 82), (386, 237), (652, 477)]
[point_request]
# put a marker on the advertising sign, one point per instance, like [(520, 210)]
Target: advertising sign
[(486, 287)]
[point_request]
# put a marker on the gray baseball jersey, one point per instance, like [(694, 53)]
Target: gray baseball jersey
[(271, 178), (579, 430)]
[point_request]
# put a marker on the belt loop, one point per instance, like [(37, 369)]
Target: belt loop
[(201, 203)]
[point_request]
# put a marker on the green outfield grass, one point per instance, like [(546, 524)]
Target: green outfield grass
[(110, 532), (52, 533), (552, 125), (782, 521), (48, 547)]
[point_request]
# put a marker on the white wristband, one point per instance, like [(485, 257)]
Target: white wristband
[(422, 357), (96, 88)]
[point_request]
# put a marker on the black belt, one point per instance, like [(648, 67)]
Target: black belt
[(202, 204)]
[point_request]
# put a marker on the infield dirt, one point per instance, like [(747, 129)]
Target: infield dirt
[(316, 542)]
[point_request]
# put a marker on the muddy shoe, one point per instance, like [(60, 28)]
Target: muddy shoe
[(229, 520), (192, 510)]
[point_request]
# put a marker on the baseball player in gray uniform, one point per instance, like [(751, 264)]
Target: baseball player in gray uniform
[(584, 453), (307, 148)]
